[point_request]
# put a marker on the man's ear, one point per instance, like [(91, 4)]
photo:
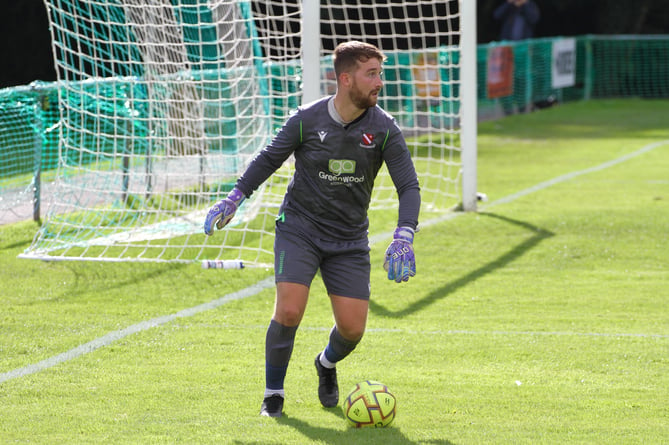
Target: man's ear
[(345, 79)]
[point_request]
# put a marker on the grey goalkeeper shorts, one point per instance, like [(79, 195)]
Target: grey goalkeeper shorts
[(301, 249)]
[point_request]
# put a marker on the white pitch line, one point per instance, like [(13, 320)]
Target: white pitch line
[(542, 185), (106, 340), (266, 283), (572, 175)]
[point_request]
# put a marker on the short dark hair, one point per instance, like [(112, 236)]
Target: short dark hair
[(348, 54)]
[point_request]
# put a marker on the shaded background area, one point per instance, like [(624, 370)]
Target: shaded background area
[(578, 17), (25, 42)]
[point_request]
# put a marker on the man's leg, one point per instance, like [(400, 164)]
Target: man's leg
[(350, 320), (291, 302)]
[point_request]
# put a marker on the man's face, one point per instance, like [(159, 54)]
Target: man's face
[(366, 84)]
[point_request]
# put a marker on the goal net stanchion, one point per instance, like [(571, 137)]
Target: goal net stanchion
[(165, 102), (469, 101)]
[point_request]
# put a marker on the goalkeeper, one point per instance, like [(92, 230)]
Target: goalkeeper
[(339, 142)]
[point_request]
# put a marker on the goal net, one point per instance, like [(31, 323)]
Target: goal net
[(20, 157), (164, 103)]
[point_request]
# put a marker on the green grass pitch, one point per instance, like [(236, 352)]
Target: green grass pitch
[(541, 319)]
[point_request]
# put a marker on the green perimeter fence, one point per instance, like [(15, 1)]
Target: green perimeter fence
[(512, 77)]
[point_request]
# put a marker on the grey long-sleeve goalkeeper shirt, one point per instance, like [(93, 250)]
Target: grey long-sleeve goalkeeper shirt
[(335, 167)]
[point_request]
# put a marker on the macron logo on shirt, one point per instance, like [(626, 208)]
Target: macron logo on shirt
[(322, 134)]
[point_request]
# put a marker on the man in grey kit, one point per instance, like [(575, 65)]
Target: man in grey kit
[(339, 143)]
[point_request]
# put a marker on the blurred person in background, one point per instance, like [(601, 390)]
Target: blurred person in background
[(518, 19)]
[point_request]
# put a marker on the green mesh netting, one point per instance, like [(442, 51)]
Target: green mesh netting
[(113, 115)]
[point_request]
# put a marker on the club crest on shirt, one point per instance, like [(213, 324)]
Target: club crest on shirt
[(367, 140)]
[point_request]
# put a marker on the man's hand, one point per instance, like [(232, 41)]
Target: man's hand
[(221, 213), (400, 261)]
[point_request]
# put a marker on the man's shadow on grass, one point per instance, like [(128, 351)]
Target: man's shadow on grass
[(538, 235), (385, 436)]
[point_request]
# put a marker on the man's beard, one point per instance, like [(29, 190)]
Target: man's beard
[(361, 100)]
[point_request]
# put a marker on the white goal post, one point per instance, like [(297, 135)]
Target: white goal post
[(163, 103)]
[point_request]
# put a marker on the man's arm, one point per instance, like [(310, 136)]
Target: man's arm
[(502, 11), (403, 173), (272, 157), (259, 170), (530, 11), (400, 261)]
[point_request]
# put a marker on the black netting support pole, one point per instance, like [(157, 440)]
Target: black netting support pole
[(125, 181), (38, 133)]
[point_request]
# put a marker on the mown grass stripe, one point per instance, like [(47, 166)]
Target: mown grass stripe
[(269, 282)]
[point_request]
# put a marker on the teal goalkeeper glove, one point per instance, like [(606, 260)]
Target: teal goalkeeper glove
[(400, 261), (221, 213)]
